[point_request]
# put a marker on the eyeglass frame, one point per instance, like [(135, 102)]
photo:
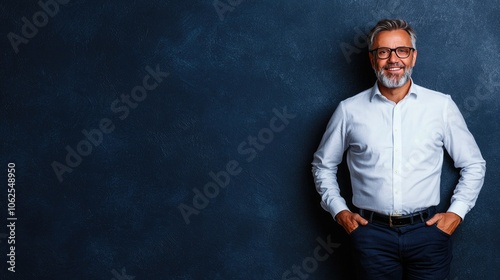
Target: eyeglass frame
[(390, 52)]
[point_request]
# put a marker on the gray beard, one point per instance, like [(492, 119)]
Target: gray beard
[(392, 82)]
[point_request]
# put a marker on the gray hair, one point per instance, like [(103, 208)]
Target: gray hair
[(390, 25)]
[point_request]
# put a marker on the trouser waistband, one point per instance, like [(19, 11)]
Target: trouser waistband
[(398, 220)]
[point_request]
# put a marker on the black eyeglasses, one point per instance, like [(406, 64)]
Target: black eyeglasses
[(385, 53)]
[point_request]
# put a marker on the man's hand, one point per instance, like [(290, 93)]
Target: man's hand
[(446, 222), (350, 221)]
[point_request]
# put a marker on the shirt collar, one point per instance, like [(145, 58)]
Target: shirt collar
[(413, 90)]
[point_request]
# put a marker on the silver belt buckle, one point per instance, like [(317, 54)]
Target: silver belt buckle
[(390, 219)]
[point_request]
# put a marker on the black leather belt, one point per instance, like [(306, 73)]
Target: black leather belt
[(398, 220)]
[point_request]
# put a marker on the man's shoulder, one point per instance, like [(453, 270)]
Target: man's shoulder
[(426, 93), (363, 96)]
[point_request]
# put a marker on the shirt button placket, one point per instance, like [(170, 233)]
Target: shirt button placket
[(397, 160)]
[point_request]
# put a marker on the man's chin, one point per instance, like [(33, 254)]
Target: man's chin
[(393, 82)]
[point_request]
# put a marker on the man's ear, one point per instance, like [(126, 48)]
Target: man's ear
[(414, 58)]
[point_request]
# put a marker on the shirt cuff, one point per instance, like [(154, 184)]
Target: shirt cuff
[(339, 207), (459, 208)]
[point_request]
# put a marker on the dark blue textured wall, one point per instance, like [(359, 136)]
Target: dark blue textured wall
[(173, 139)]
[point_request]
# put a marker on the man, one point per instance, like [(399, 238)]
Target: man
[(394, 134)]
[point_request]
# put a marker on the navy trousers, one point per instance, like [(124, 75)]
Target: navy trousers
[(414, 251)]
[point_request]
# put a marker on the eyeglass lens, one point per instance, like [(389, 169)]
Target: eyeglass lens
[(401, 52)]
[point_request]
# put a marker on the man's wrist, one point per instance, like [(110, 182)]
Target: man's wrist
[(455, 214), (341, 212)]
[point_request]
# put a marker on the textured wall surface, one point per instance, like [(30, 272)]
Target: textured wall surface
[(173, 139)]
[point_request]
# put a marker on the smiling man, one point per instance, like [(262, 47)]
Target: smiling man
[(395, 134)]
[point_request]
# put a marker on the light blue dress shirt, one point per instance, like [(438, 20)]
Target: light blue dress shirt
[(395, 153)]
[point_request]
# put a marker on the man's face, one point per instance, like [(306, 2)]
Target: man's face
[(393, 72)]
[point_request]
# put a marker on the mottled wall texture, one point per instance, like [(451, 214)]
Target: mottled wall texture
[(174, 139)]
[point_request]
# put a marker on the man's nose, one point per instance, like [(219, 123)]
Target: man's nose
[(393, 57)]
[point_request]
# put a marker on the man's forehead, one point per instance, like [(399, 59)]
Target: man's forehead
[(392, 37)]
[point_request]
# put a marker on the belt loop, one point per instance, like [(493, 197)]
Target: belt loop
[(371, 216), (362, 213), (421, 216)]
